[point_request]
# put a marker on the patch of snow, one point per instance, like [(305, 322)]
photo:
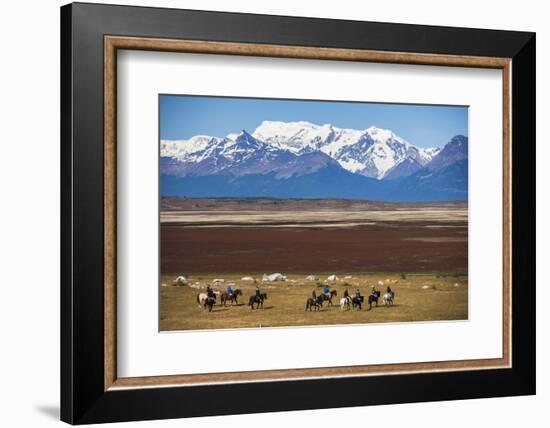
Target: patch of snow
[(180, 149), (351, 165)]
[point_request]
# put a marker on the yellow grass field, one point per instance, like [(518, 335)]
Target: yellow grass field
[(325, 218), (418, 297)]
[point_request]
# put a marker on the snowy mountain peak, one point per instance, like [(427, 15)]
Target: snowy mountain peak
[(180, 149), (385, 136), (245, 138), (297, 137), (372, 152), (381, 134)]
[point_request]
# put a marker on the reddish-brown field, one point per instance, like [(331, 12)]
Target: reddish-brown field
[(388, 247), (229, 235)]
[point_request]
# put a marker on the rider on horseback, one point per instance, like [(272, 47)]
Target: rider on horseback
[(229, 290), (326, 291), (358, 294), (388, 290), (346, 293), (210, 292), (313, 294), (258, 292)]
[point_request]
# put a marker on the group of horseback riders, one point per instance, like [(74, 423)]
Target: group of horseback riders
[(314, 302), (347, 301), (326, 292), (229, 290), (231, 295)]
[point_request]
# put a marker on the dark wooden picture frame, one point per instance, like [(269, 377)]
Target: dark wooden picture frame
[(90, 37)]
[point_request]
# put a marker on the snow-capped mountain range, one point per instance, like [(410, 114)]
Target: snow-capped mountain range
[(305, 160), (372, 152)]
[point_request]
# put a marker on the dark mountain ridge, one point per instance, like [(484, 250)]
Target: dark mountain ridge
[(248, 167)]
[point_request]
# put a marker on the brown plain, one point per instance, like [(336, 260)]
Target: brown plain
[(233, 235)]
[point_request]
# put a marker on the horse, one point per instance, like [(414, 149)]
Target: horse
[(258, 300), (357, 301), (225, 296), (345, 303), (373, 297), (316, 303), (329, 296), (388, 298), (205, 301)]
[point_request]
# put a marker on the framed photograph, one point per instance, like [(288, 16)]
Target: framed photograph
[(302, 213)]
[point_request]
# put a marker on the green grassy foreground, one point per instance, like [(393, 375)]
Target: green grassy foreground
[(418, 297)]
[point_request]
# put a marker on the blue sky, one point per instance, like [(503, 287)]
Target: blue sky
[(183, 116)]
